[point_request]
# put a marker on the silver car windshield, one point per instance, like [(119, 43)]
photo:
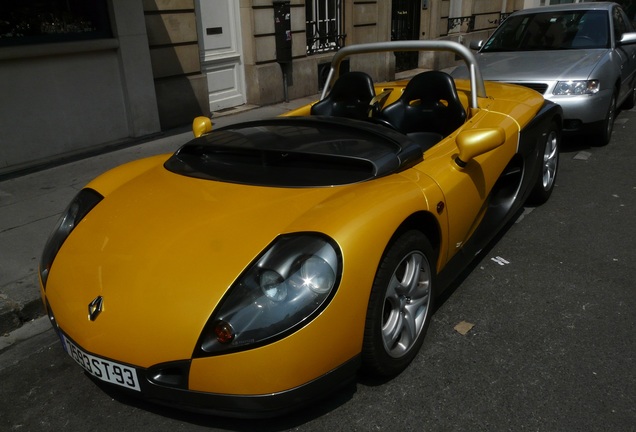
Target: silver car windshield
[(581, 29)]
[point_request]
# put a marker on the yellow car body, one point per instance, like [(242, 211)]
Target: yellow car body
[(132, 284)]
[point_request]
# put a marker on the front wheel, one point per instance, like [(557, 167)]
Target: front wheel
[(604, 133), (400, 306), (549, 162)]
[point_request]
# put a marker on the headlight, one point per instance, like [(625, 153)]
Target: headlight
[(283, 290), (83, 202), (575, 88)]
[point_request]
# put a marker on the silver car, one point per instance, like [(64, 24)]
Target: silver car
[(581, 56)]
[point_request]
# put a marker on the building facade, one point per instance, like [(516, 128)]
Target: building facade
[(78, 76)]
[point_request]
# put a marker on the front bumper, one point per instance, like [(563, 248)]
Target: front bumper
[(579, 112), (168, 384), (248, 406), (582, 111)]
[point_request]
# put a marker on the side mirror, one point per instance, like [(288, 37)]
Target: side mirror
[(476, 45), (628, 38), (201, 125), (474, 142)]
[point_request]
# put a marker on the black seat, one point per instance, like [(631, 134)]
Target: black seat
[(429, 104), (350, 97)]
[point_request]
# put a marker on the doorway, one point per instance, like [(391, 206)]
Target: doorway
[(405, 25), (221, 52)]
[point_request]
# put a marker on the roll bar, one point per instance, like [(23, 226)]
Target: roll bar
[(477, 88)]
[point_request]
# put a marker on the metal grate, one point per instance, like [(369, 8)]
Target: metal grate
[(538, 87), (323, 25), (464, 24)]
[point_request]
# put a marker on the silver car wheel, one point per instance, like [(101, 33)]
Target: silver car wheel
[(550, 159), (547, 166), (406, 304), (400, 305)]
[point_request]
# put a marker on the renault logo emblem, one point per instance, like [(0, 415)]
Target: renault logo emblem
[(95, 308)]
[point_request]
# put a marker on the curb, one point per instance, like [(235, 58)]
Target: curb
[(20, 303), (33, 336), (13, 315)]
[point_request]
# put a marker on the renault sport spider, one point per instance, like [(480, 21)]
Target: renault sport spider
[(265, 264)]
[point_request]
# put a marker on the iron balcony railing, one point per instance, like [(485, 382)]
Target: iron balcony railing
[(323, 36)]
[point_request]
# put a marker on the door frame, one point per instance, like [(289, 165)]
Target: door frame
[(225, 64)]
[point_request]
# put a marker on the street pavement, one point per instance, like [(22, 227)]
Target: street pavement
[(30, 205)]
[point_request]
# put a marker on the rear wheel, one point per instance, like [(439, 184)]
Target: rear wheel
[(400, 306), (549, 161)]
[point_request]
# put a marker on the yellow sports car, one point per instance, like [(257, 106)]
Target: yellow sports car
[(264, 264)]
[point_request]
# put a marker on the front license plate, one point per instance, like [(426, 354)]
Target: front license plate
[(103, 369)]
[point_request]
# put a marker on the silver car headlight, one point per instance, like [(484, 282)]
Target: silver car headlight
[(282, 291), (576, 88), (83, 203)]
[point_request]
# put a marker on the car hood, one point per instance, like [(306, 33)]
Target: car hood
[(161, 250), (539, 65)]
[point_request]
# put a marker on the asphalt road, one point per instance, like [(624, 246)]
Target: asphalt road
[(551, 348)]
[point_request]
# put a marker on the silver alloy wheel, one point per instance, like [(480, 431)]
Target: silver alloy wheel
[(406, 304), (550, 159)]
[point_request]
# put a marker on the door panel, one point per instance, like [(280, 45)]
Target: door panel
[(626, 53), (466, 190)]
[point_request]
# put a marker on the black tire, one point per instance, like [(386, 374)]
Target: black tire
[(604, 134), (549, 166), (400, 306)]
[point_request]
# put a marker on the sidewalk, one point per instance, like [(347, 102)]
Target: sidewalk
[(31, 204)]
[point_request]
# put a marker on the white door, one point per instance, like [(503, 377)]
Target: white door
[(221, 52)]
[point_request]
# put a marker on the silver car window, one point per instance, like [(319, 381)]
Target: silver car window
[(621, 24)]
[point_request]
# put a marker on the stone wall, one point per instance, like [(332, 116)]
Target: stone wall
[(365, 21), (180, 86), (63, 99)]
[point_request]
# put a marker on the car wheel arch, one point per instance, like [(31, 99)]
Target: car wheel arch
[(508, 184), (617, 89), (427, 224)]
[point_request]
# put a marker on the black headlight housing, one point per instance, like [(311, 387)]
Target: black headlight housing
[(280, 292), (83, 203)]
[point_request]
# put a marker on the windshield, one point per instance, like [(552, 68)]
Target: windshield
[(560, 30)]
